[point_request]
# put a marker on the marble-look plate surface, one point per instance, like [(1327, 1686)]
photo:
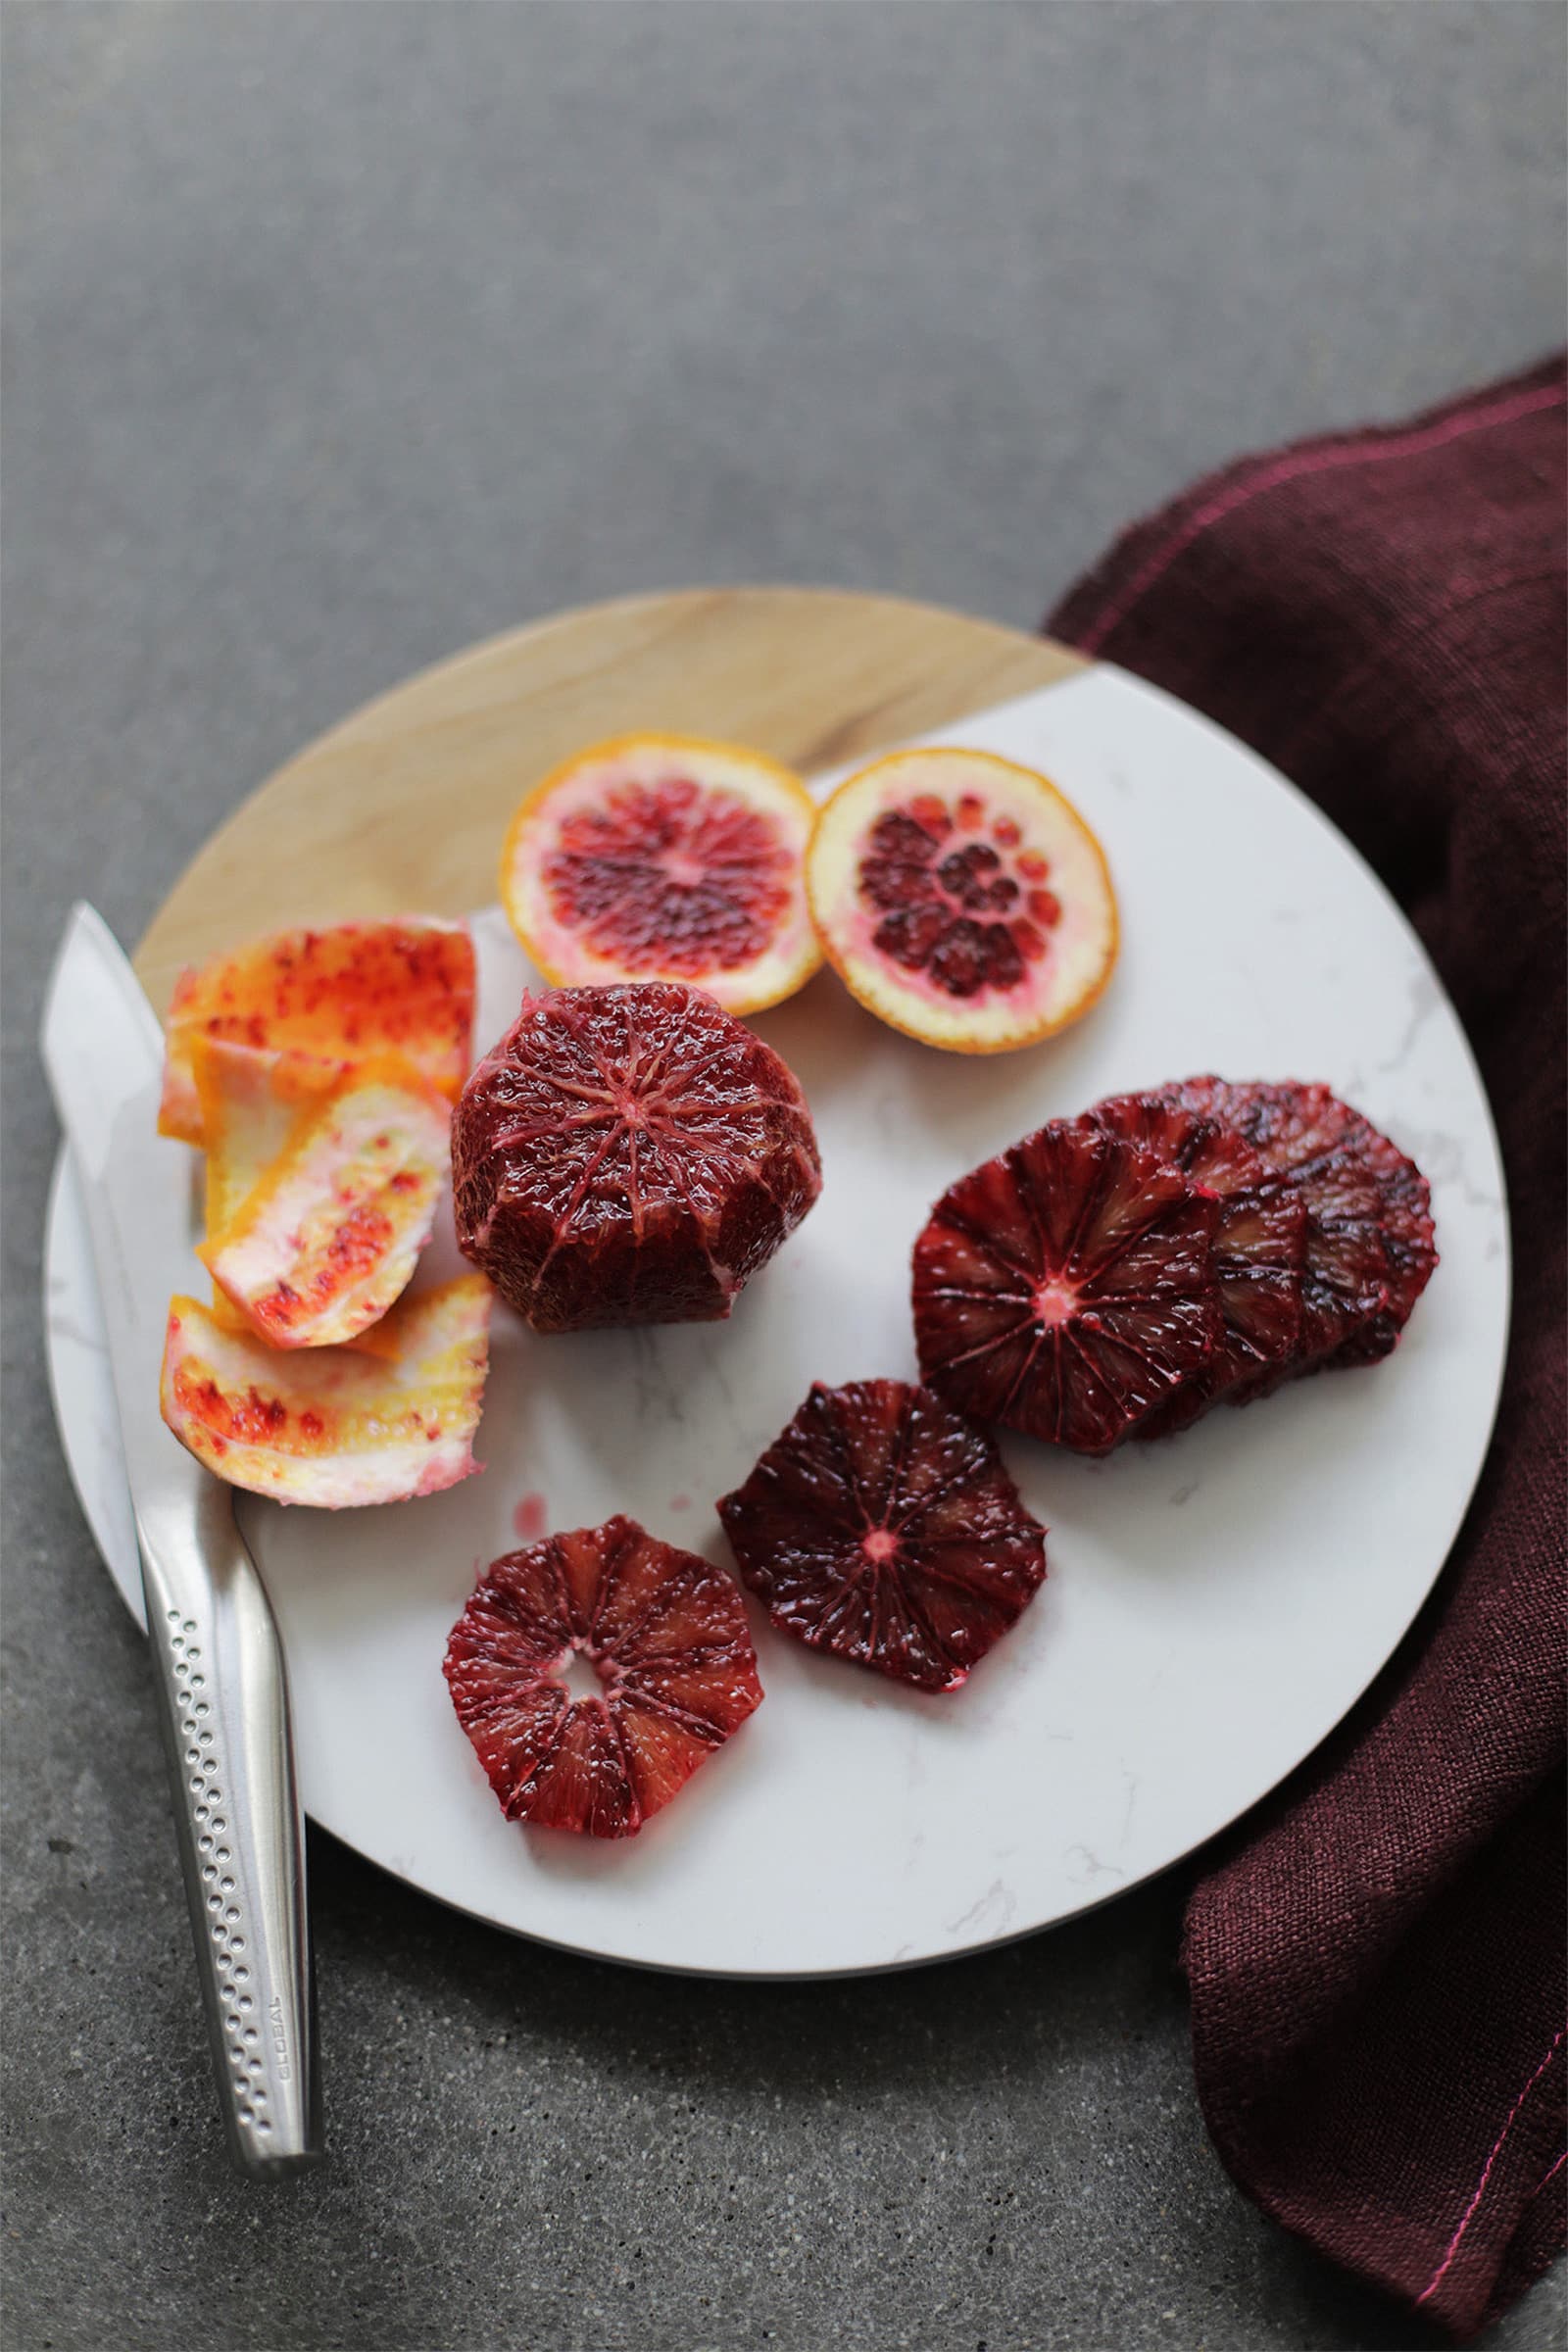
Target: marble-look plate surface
[(1214, 1603)]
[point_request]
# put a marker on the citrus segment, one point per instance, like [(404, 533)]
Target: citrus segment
[(332, 1426), (321, 1185), (346, 993), (666, 1633), (882, 1526), (962, 898), (629, 1155), (663, 856)]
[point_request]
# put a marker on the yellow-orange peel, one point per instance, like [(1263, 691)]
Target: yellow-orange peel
[(322, 1179), (665, 857), (332, 1426), (348, 992)]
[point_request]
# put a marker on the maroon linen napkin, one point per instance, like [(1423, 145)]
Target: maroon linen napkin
[(1375, 1957)]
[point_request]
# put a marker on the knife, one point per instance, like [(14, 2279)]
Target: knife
[(222, 1694)]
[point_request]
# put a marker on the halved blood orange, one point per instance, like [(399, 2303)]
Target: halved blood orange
[(961, 898), (665, 857), (322, 1186), (340, 994), (331, 1425)]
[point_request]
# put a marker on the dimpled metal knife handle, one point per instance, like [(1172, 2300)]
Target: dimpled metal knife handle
[(223, 1705)]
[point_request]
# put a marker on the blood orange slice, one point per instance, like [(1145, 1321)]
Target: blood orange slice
[(1408, 1234), (322, 1186), (341, 994), (1353, 1303), (962, 900), (1066, 1288), (332, 1426), (664, 1631), (629, 1154), (665, 857), (1259, 1248), (882, 1526)]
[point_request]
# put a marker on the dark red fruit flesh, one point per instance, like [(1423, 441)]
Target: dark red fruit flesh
[(1067, 1288), (1259, 1249), (666, 1632), (629, 1155), (883, 1527), (1351, 1291), (959, 913), (672, 877), (1408, 1234)]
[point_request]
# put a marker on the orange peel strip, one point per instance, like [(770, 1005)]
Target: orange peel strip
[(346, 993), (378, 1338), (331, 1425), (322, 1186)]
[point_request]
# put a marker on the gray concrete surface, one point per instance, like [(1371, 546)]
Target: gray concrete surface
[(337, 335)]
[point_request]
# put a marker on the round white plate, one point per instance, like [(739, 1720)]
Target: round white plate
[(1214, 1603)]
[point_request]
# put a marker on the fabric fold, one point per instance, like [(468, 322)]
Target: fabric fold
[(1375, 1958)]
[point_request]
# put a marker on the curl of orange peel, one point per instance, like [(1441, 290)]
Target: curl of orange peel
[(331, 1425), (349, 992), (322, 1179), (319, 1068), (962, 898)]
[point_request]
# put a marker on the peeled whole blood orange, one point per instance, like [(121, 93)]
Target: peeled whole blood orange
[(331, 1425), (344, 993), (666, 1633), (665, 857), (962, 900), (629, 1155), (884, 1527), (322, 1179)]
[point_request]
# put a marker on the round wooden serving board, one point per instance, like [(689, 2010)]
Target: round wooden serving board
[(402, 808), (1214, 1606)]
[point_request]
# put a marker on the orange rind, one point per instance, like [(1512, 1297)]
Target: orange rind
[(962, 900), (665, 857), (331, 1425), (322, 1179), (378, 1338), (347, 993)]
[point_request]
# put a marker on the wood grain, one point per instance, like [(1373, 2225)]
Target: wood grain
[(403, 806)]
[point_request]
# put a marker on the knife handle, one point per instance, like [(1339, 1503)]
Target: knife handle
[(223, 1712)]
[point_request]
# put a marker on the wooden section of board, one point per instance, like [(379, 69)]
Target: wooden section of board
[(402, 806)]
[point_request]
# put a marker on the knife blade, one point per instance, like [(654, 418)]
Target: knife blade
[(219, 1667)]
